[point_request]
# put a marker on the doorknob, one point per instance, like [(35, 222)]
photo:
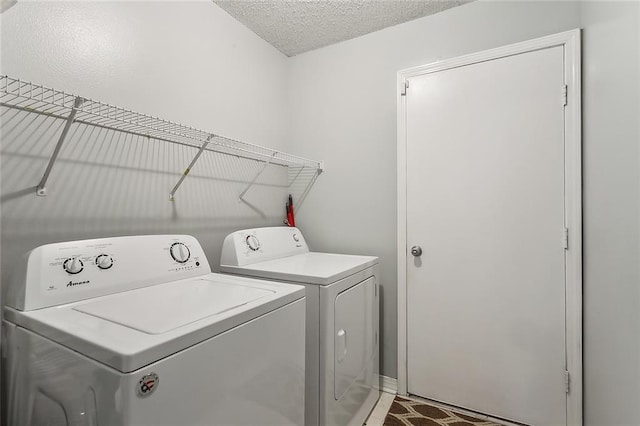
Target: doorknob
[(416, 251)]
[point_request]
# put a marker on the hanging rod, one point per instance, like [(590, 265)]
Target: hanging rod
[(27, 96)]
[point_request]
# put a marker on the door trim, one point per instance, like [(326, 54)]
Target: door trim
[(570, 41)]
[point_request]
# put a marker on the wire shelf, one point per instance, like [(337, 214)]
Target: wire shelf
[(30, 97)]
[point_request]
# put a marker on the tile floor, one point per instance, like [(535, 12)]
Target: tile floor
[(379, 412)]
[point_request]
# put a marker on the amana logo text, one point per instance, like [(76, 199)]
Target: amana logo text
[(71, 283)]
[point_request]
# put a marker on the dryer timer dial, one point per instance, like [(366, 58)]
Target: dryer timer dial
[(253, 242)]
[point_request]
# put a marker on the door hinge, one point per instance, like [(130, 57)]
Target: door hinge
[(404, 87), (565, 238), (565, 95), (567, 382)]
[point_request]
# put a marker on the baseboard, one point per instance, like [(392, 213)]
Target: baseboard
[(388, 384)]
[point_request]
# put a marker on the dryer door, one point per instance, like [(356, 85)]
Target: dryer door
[(354, 334)]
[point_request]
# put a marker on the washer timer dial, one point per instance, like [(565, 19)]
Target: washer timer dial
[(253, 242), (73, 265), (180, 252)]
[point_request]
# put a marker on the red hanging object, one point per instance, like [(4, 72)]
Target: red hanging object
[(288, 212), (292, 218)]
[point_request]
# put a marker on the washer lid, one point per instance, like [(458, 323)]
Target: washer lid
[(307, 268), (131, 329), (158, 309)]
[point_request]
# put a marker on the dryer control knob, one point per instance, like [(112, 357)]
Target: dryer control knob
[(104, 261), (180, 252), (73, 265), (253, 242)]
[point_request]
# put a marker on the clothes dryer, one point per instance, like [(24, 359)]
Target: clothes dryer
[(342, 381), (138, 331)]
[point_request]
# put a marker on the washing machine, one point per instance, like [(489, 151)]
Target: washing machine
[(342, 381), (138, 331)]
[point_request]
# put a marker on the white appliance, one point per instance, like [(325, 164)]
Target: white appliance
[(342, 382), (138, 331)]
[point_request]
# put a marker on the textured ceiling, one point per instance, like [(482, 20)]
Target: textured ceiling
[(297, 26)]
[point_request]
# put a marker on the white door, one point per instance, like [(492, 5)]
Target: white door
[(485, 202)]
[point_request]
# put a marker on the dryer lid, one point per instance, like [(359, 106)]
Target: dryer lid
[(307, 268), (158, 309)]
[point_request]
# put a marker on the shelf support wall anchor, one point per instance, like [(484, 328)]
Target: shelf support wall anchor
[(41, 190), (188, 169), (266, 164)]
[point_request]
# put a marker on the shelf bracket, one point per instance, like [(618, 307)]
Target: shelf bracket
[(266, 164), (319, 170), (188, 169), (296, 177), (308, 187), (41, 189)]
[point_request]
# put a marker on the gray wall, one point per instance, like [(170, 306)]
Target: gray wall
[(189, 62), (343, 109), (611, 159)]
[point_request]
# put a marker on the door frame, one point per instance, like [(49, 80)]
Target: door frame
[(570, 41)]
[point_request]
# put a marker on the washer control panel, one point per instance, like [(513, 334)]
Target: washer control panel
[(60, 273), (250, 246)]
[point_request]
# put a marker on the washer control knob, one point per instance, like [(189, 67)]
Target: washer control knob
[(180, 252), (104, 261), (296, 238), (253, 242), (73, 265)]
